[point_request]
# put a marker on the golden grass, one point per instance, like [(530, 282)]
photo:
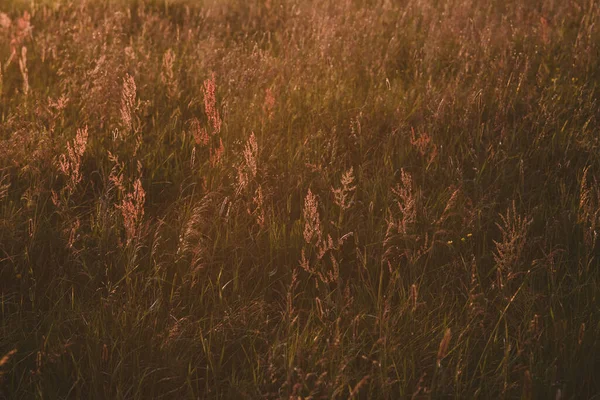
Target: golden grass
[(299, 199)]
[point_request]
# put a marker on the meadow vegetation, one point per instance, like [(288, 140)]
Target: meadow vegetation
[(299, 199)]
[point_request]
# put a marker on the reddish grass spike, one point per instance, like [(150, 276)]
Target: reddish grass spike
[(73, 233), (449, 206), (210, 105), (70, 163), (406, 203), (342, 195), (251, 154), (132, 210), (198, 132), (508, 252), (128, 95), (312, 224)]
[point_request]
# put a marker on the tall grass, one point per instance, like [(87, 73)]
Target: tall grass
[(299, 199)]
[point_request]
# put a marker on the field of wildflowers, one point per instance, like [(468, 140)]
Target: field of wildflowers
[(299, 199)]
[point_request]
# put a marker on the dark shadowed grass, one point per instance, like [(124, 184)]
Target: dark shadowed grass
[(308, 199)]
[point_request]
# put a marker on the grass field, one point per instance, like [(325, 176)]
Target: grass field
[(248, 199)]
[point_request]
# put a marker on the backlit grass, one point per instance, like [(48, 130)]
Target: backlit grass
[(299, 199)]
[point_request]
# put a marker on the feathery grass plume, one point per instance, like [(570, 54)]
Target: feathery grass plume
[(312, 223), (128, 95), (72, 233), (324, 246), (406, 203), (57, 108), (333, 275), (210, 105), (248, 166), (424, 145), (115, 177), (216, 154), (199, 134), (585, 195), (132, 210), (193, 239), (259, 210), (176, 330), (449, 206), (508, 252), (167, 75), (70, 163), (444, 345), (304, 263), (242, 179), (420, 143), (400, 226), (343, 195)]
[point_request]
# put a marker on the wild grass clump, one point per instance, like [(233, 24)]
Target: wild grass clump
[(299, 199)]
